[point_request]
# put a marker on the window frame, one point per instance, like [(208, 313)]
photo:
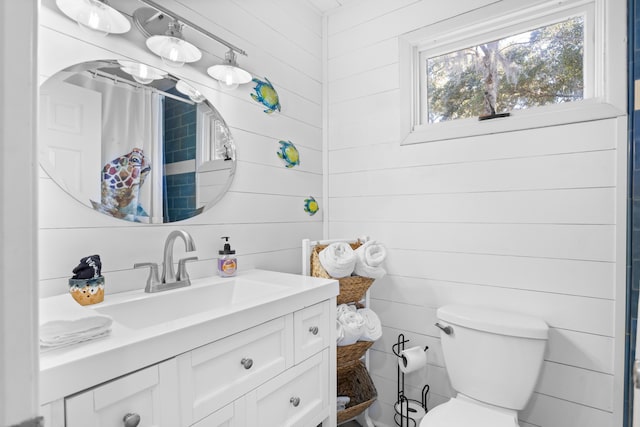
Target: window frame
[(605, 84)]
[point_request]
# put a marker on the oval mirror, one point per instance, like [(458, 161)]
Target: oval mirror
[(134, 142)]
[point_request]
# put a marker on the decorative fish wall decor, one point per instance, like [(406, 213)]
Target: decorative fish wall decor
[(266, 95), (311, 206), (289, 153)]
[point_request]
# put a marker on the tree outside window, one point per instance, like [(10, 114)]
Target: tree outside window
[(535, 68)]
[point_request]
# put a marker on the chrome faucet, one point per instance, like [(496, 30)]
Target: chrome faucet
[(169, 279)]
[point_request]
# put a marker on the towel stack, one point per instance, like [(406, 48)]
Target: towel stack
[(356, 324), (63, 323), (340, 260)]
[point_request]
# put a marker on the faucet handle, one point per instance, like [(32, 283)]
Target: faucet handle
[(153, 278), (182, 269)]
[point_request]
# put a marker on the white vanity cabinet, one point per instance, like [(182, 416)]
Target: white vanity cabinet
[(297, 398), (148, 395), (278, 373), (214, 375), (284, 362)]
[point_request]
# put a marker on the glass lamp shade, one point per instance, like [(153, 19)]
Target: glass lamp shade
[(229, 76), (141, 73), (190, 91), (95, 16), (173, 50)]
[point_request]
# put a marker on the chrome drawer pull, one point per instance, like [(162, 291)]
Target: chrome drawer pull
[(247, 363), (295, 401), (446, 329), (131, 420), (314, 330)]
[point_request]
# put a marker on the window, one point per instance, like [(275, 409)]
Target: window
[(533, 68), (537, 64)]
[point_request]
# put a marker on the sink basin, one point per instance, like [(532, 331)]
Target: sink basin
[(154, 309)]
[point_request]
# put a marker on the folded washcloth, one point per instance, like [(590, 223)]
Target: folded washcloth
[(63, 322), (338, 259), (352, 325), (372, 329), (369, 258)]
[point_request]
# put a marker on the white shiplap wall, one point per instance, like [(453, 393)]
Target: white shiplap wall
[(529, 221), (263, 211)]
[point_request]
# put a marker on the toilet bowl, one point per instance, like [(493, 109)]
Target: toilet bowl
[(493, 359)]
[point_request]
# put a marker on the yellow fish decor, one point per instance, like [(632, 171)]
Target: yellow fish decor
[(266, 95), (289, 153), (311, 206)]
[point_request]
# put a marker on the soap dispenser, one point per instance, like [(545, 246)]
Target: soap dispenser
[(227, 262)]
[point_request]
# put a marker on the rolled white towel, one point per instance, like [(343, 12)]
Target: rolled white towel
[(63, 322), (372, 329), (369, 258), (342, 402), (339, 332), (338, 259), (345, 308), (352, 327)]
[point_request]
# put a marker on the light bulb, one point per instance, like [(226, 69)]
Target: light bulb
[(92, 18), (172, 55)]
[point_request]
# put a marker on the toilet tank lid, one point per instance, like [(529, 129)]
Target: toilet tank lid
[(494, 321)]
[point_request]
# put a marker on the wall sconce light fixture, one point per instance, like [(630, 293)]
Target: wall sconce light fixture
[(95, 16), (163, 30), (229, 74)]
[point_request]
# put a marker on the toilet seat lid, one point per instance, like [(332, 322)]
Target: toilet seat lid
[(460, 413)]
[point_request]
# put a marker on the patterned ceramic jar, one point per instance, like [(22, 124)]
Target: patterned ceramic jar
[(87, 291)]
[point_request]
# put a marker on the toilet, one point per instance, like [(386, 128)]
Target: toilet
[(493, 359)]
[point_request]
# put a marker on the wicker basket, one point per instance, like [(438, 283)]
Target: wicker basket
[(352, 288), (347, 354), (358, 386)]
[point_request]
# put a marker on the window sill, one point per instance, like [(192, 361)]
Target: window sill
[(555, 115)]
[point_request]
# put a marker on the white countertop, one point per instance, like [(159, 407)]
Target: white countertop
[(68, 370)]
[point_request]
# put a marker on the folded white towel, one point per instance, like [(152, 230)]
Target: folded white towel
[(372, 329), (338, 259), (369, 258), (352, 325), (64, 322)]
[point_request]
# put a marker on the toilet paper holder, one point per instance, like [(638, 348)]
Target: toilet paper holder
[(408, 412)]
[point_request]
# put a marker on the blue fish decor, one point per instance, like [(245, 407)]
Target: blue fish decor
[(311, 206), (266, 95), (289, 153)]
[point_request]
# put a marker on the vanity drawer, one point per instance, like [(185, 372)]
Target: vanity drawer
[(297, 398), (232, 415), (149, 393), (218, 373), (312, 329)]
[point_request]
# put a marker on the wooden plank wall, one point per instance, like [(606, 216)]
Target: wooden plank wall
[(263, 211), (525, 221)]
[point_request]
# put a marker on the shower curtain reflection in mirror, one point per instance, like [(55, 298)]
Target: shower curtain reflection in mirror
[(132, 118)]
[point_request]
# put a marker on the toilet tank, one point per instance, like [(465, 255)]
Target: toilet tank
[(492, 356)]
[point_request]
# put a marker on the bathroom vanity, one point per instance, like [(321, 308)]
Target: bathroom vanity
[(254, 350)]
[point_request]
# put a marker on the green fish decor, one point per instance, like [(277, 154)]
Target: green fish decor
[(311, 206), (289, 153), (266, 95)]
